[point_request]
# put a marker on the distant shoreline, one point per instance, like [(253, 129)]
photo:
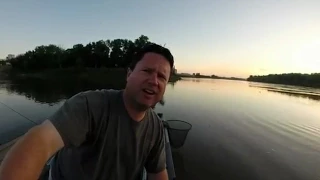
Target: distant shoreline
[(209, 77), (295, 79)]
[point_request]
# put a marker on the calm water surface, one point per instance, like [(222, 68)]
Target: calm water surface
[(240, 130)]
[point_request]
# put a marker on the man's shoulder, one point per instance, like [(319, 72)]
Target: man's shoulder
[(95, 99), (155, 119), (99, 94)]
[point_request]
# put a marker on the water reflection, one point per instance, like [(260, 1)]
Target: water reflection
[(52, 91), (297, 94), (55, 90), (179, 162), (240, 130), (243, 132), (294, 91), (197, 80), (172, 84)]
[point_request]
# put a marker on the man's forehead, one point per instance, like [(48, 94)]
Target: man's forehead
[(154, 62)]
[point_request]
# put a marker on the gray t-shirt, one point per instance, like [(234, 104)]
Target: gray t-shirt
[(102, 141)]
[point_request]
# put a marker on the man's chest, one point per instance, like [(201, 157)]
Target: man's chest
[(123, 148)]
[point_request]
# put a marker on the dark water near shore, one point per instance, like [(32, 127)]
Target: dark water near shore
[(240, 130)]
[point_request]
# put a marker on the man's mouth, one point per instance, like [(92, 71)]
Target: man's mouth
[(149, 91)]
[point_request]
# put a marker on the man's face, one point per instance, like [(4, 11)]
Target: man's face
[(147, 82)]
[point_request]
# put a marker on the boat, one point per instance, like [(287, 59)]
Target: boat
[(4, 148)]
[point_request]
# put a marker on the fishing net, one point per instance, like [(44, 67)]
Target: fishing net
[(177, 131)]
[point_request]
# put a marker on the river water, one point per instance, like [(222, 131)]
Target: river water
[(240, 130)]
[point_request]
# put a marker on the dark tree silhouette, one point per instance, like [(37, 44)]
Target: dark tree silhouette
[(109, 53), (310, 80)]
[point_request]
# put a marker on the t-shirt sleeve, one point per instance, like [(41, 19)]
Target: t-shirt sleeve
[(72, 120), (156, 161)]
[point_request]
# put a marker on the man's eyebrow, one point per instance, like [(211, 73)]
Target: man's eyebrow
[(149, 68), (162, 72)]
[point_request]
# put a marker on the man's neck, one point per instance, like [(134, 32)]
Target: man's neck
[(135, 114)]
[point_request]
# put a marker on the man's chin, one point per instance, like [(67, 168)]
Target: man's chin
[(144, 106)]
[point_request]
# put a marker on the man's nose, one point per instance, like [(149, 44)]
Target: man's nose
[(154, 79)]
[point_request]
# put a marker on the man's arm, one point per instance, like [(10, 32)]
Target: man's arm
[(67, 127), (163, 175), (27, 157), (156, 161)]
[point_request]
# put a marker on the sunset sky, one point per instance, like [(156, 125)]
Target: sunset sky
[(225, 38)]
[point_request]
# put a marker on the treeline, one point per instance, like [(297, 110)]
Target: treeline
[(115, 53), (310, 80), (198, 75)]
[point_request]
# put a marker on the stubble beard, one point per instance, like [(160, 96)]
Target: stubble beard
[(136, 105)]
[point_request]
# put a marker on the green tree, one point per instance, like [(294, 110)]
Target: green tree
[(107, 53), (129, 50), (116, 55), (141, 41)]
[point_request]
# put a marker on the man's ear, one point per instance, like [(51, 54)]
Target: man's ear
[(129, 71)]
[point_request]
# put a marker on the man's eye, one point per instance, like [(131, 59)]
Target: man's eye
[(163, 77)]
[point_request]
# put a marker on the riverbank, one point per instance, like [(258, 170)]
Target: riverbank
[(4, 72), (95, 75), (64, 82), (295, 79), (209, 77)]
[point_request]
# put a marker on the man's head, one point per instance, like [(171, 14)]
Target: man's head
[(148, 76)]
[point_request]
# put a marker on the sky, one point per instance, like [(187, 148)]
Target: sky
[(226, 38)]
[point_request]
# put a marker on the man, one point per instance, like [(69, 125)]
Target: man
[(102, 134)]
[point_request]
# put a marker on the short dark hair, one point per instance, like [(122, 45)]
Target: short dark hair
[(154, 48)]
